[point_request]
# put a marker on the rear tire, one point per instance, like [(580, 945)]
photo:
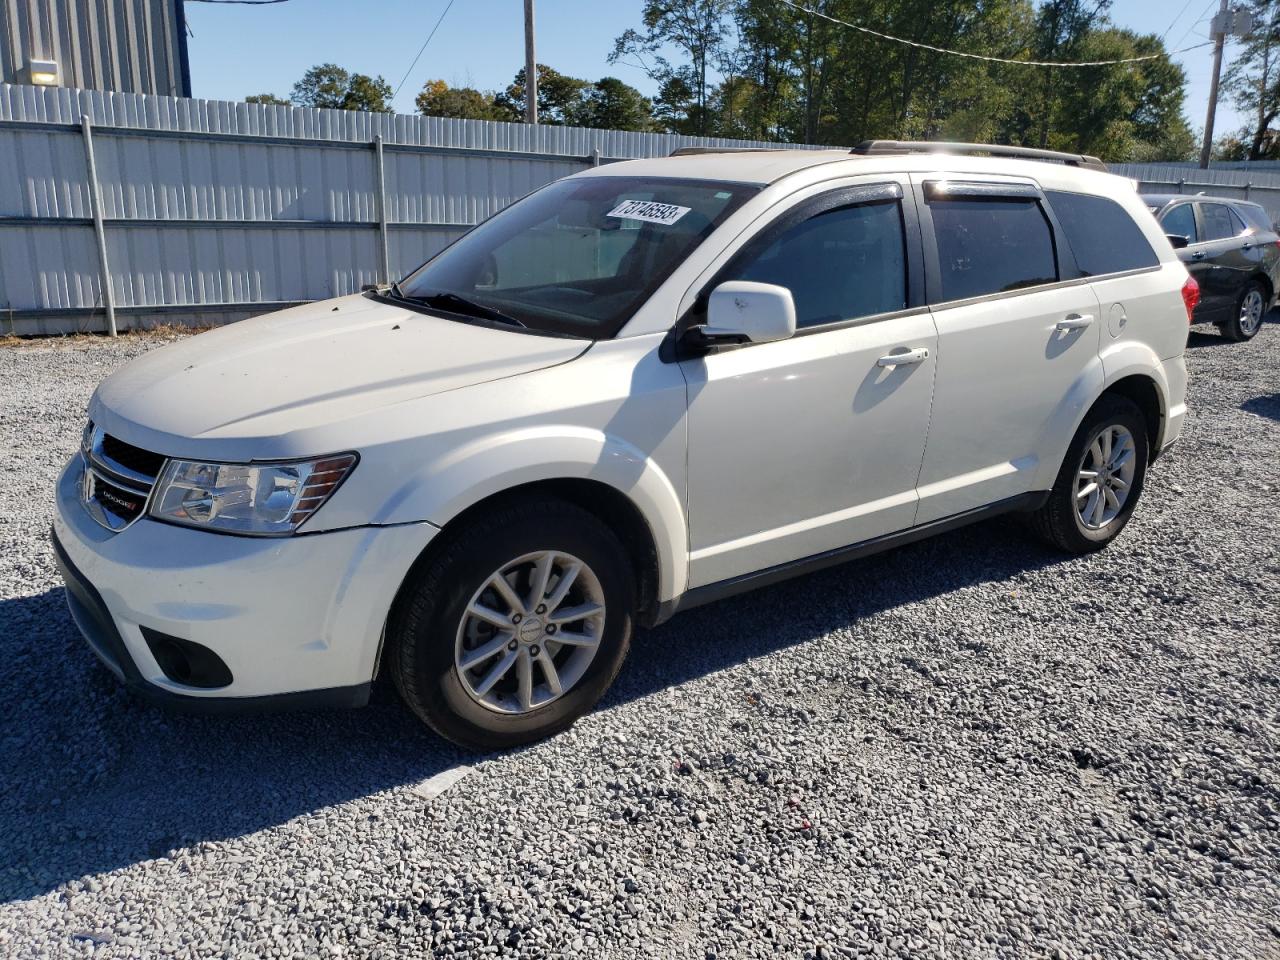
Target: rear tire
[(1111, 445), (535, 546), (1251, 308)]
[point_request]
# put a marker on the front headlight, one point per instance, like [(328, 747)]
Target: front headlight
[(260, 499)]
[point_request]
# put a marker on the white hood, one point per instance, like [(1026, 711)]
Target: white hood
[(306, 367)]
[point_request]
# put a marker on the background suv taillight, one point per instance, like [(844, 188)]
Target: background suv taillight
[(1190, 296)]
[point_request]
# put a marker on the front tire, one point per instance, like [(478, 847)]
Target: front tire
[(515, 627), (1251, 307), (1100, 481)]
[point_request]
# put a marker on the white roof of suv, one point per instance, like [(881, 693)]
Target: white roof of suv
[(764, 167)]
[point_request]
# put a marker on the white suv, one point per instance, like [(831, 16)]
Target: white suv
[(638, 389)]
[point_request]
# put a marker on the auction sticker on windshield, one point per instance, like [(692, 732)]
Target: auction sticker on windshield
[(649, 211)]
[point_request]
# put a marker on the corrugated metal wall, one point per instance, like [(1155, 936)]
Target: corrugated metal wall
[(131, 45), (220, 210), (216, 211)]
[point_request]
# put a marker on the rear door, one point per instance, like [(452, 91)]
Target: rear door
[(1181, 220), (1013, 338), (1223, 258)]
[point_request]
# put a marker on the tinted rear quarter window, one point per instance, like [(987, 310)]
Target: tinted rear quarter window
[(1256, 216), (1101, 233), (992, 246)]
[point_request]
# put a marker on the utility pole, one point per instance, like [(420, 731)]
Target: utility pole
[(531, 65), (1219, 29)]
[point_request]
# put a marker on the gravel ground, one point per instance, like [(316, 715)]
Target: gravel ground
[(969, 747)]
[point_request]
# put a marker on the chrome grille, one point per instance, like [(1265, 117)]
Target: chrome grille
[(118, 478)]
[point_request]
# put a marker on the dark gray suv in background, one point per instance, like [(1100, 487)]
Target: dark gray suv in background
[(1233, 252)]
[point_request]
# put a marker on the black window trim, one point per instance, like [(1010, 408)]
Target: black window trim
[(1066, 243), (846, 196), (994, 189)]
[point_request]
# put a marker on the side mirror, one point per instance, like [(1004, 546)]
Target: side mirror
[(1177, 240), (741, 311)]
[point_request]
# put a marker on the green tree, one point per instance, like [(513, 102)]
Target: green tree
[(610, 104), (438, 99), (1253, 82), (696, 28), (323, 86), (328, 86), (268, 98), (791, 74), (371, 94), (558, 95)]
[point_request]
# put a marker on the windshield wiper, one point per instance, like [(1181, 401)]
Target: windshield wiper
[(452, 303)]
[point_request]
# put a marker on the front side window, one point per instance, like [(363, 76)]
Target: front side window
[(1181, 222), (840, 264), (1218, 224), (1102, 235), (578, 257), (990, 246)]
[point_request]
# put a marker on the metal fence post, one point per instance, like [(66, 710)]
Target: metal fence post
[(383, 248), (595, 155), (1181, 181), (99, 228), (1247, 185)]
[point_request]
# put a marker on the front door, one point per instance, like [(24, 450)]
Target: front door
[(813, 443)]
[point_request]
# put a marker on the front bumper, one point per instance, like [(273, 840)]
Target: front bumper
[(297, 620)]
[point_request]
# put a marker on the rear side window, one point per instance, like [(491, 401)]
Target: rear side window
[(839, 265), (1181, 222), (1102, 235), (1255, 215), (1217, 220), (992, 245)]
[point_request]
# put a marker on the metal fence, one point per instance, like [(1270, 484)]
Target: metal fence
[(1258, 184), (203, 211)]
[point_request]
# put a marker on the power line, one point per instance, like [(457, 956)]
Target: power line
[(1203, 15), (979, 56), (422, 48), (247, 3), (1175, 20)]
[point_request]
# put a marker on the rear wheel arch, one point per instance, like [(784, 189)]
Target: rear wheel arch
[(1269, 288), (1145, 393)]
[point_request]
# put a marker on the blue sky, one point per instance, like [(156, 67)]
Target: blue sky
[(239, 50)]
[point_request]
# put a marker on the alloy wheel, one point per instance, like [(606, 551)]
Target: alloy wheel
[(1251, 311), (1105, 476), (530, 632)]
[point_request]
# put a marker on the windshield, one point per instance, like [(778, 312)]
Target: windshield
[(577, 257)]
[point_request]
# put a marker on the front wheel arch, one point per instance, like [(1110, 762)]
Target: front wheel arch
[(609, 505)]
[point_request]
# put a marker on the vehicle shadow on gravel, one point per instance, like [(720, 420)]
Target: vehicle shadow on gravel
[(1264, 406), (95, 779), (98, 780), (731, 631), (1206, 336)]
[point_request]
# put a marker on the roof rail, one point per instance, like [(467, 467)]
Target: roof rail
[(698, 151), (889, 147)]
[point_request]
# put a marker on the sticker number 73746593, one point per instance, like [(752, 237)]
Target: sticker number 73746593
[(649, 211)]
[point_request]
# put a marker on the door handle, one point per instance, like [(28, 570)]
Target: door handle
[(906, 358), (1198, 255), (1073, 321), (1246, 245)]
